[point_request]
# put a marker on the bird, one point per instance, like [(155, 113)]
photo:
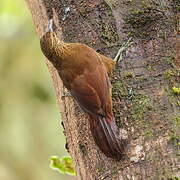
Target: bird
[(86, 74)]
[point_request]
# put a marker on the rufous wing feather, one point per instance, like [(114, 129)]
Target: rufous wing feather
[(105, 134), (92, 92)]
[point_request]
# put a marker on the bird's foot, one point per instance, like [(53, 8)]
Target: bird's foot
[(66, 94), (125, 45)]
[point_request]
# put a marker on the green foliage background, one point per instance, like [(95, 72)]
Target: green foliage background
[(30, 130)]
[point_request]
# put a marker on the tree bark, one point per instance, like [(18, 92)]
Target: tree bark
[(145, 106)]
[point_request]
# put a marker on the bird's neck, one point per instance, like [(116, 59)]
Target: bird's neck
[(53, 48), (59, 51), (60, 48)]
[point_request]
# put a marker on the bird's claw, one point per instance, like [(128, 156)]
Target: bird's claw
[(66, 94)]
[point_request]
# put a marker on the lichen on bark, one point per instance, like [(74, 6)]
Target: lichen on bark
[(144, 103)]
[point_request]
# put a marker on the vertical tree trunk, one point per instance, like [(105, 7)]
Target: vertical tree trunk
[(145, 106)]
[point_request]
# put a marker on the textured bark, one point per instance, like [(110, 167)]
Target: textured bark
[(145, 106)]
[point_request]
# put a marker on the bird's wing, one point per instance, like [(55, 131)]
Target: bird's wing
[(91, 90)]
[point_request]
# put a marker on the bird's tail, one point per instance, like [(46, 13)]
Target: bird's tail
[(105, 134)]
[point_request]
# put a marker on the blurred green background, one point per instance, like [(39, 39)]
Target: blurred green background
[(30, 130)]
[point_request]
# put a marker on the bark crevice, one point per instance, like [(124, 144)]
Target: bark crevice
[(144, 104)]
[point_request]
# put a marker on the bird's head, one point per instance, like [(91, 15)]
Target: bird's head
[(48, 41)]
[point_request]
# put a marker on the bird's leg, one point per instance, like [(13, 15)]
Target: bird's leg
[(66, 93), (124, 46)]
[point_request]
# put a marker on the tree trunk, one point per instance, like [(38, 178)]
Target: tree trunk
[(145, 104)]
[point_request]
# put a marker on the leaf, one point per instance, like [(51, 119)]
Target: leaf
[(64, 165), (176, 90)]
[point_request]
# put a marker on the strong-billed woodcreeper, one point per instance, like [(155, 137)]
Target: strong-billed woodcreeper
[(84, 72)]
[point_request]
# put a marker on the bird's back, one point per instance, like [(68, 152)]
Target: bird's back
[(85, 76)]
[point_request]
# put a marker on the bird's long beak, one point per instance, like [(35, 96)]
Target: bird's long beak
[(50, 25)]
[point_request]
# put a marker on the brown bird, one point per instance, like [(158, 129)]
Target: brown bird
[(84, 72)]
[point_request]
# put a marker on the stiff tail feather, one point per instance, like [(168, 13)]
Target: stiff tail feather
[(105, 134)]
